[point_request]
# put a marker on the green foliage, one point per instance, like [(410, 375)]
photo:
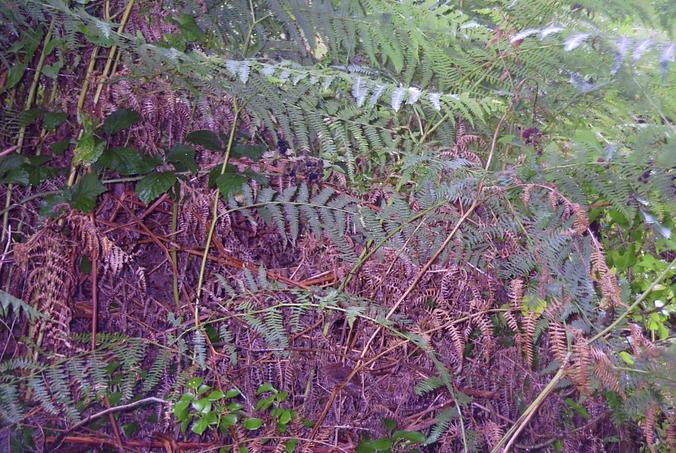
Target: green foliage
[(203, 408), (433, 103)]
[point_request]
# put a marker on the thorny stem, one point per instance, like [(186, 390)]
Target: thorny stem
[(214, 216), (22, 132)]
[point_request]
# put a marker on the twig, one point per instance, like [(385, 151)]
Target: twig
[(59, 440)]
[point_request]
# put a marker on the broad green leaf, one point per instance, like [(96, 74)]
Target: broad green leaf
[(215, 395), (291, 445), (229, 184), (232, 393), (88, 150), (202, 405), (252, 151), (253, 423), (411, 436), (376, 445), (29, 117), (205, 138), (204, 422), (119, 120), (285, 417), (84, 194), (627, 358), (183, 158), (181, 409), (265, 403), (38, 171), (52, 120), (191, 31), (59, 148), (267, 387), (52, 71), (234, 407), (227, 421), (15, 74), (154, 185), (128, 161), (13, 170)]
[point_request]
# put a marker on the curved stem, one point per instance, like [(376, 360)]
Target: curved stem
[(214, 216)]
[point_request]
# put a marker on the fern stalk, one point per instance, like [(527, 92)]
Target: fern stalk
[(112, 53), (29, 103), (521, 423)]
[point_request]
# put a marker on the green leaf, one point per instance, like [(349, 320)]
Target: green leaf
[(230, 183), (232, 393), (191, 31), (579, 408), (88, 150), (234, 407), (127, 161), (390, 424), (182, 408), (254, 152), (291, 445), (29, 117), (202, 405), (38, 171), (376, 445), (285, 417), (119, 120), (265, 403), (267, 387), (195, 382), (84, 194), (627, 358), (59, 148), (205, 138), (215, 395), (411, 436), (154, 185), (204, 422), (227, 421), (253, 423), (13, 170), (52, 71), (183, 158), (52, 120), (15, 74)]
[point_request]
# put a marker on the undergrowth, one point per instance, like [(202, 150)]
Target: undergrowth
[(337, 226)]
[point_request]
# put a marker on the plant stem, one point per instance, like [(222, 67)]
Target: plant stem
[(22, 132), (113, 50), (214, 216), (174, 223)]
